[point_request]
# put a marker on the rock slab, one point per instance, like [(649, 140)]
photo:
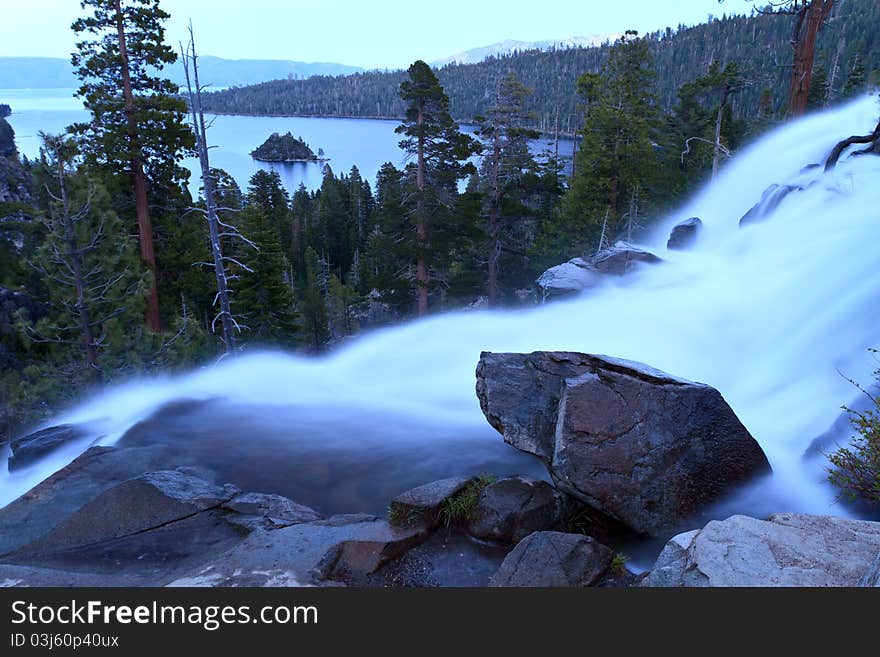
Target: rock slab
[(554, 559), (641, 446), (514, 507), (787, 549)]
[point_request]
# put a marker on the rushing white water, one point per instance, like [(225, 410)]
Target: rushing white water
[(769, 314)]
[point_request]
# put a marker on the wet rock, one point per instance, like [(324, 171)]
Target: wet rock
[(512, 508), (279, 511), (787, 549), (310, 553), (554, 559), (684, 234), (872, 576), (579, 274), (770, 200), (643, 447), (31, 448), (422, 505), (147, 502), (567, 279)]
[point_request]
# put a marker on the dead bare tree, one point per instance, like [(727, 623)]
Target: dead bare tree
[(873, 139), (217, 229)]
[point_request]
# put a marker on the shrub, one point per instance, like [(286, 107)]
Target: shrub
[(856, 469)]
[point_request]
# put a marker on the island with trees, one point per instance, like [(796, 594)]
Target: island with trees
[(286, 148)]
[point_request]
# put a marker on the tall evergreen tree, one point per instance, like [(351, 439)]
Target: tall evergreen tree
[(440, 154), (138, 123)]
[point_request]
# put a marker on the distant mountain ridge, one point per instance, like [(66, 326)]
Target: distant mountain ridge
[(510, 46), (55, 72)]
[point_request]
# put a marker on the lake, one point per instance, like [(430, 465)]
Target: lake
[(365, 143)]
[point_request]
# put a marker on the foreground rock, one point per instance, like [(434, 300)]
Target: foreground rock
[(31, 448), (512, 508), (579, 274), (269, 510), (643, 447), (872, 577), (308, 554), (422, 505), (147, 502), (787, 549), (554, 559), (684, 234)]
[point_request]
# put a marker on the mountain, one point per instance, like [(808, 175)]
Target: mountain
[(510, 46), (53, 72), (760, 44)]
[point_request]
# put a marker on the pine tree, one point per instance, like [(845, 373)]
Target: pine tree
[(509, 172), (313, 307), (440, 155), (616, 156), (138, 123), (855, 81)]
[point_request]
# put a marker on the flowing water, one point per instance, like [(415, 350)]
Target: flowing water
[(772, 314)]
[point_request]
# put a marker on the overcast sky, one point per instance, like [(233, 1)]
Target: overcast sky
[(373, 34)]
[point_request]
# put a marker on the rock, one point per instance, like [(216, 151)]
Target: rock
[(641, 446), (309, 553), (872, 576), (684, 234), (554, 559), (579, 274), (29, 449), (147, 502), (621, 259), (422, 505), (770, 200), (566, 279), (278, 510), (512, 508), (787, 549)]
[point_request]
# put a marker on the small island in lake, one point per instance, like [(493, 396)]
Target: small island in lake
[(286, 148)]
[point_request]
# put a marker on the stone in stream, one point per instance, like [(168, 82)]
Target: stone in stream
[(554, 559), (276, 510), (29, 449), (684, 234), (422, 505), (643, 447), (787, 549), (514, 507), (770, 200)]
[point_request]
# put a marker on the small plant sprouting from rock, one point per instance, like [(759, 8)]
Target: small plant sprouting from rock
[(855, 470), (578, 520), (402, 515), (459, 509), (618, 564)]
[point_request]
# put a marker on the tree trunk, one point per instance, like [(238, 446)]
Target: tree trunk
[(145, 229), (716, 149), (495, 220), (195, 97), (807, 24), (421, 228)]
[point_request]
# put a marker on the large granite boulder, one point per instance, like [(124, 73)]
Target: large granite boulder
[(787, 549), (684, 234), (643, 447), (554, 559), (579, 274), (514, 507)]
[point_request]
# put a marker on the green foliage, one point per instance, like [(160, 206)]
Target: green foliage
[(459, 509), (313, 307), (403, 515), (618, 564), (855, 469)]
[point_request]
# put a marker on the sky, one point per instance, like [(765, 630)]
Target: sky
[(371, 34)]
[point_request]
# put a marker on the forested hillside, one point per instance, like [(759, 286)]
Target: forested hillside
[(759, 44)]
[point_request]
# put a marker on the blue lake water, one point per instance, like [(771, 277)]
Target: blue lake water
[(365, 143)]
